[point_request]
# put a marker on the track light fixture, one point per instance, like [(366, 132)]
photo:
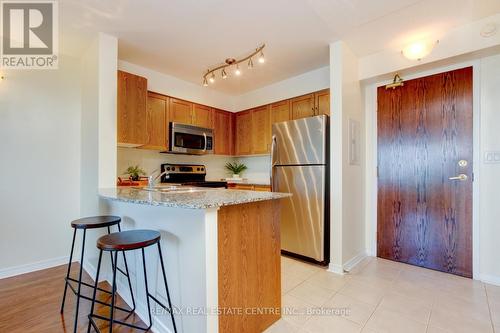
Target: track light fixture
[(209, 76), (261, 57)]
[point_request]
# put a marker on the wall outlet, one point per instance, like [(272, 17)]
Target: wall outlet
[(491, 157)]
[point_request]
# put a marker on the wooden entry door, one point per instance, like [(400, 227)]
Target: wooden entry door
[(424, 143)]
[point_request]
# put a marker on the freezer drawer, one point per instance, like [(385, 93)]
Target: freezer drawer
[(302, 215)]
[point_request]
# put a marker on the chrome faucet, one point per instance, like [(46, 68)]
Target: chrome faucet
[(152, 178)]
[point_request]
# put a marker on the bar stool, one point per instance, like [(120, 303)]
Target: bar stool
[(93, 222), (127, 241)]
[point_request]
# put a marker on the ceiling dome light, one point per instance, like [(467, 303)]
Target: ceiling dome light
[(250, 63), (261, 58), (237, 70), (224, 74), (418, 50)]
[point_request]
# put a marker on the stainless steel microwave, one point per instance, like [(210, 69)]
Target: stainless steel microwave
[(188, 139)]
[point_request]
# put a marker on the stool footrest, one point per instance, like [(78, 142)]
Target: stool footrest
[(92, 316), (98, 301)]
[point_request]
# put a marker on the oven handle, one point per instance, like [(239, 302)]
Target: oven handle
[(205, 136)]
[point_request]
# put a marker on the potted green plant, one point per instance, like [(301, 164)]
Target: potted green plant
[(236, 168), (135, 172)]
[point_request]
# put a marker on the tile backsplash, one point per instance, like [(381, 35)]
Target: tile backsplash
[(149, 160)]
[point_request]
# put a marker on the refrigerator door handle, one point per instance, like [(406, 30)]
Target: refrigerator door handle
[(273, 154)]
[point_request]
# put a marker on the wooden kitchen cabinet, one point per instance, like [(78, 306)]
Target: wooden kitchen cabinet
[(280, 111), (261, 130), (202, 116), (224, 132), (157, 122), (131, 109), (322, 102), (243, 135), (180, 111), (302, 106), (249, 187)]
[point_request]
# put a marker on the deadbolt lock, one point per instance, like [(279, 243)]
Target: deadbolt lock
[(462, 163)]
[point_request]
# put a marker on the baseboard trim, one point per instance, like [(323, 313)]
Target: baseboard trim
[(353, 262), (337, 269), (490, 279), (33, 267)]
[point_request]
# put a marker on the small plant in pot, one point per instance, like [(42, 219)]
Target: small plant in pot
[(236, 168), (135, 172)]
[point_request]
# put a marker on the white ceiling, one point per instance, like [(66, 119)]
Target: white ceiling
[(184, 37)]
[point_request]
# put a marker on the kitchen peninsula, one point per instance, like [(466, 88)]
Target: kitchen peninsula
[(222, 254)]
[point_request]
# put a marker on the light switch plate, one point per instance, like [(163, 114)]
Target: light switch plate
[(492, 157)]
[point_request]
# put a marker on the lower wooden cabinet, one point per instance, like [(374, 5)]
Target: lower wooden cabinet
[(223, 122), (250, 187)]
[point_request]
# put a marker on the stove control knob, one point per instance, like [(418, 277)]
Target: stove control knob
[(168, 168), (173, 168), (197, 169), (202, 169)]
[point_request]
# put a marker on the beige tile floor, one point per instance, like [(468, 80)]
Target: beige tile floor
[(381, 296)]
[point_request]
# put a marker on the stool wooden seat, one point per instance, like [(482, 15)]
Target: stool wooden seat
[(94, 222), (121, 242), (128, 240)]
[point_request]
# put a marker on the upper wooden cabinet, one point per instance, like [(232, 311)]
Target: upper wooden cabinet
[(280, 111), (157, 122), (302, 106), (202, 116), (243, 134), (180, 111), (224, 132), (131, 109), (322, 102), (261, 130)]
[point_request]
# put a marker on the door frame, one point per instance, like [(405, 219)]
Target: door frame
[(371, 192)]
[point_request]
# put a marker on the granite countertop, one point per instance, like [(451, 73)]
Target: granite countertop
[(193, 198)]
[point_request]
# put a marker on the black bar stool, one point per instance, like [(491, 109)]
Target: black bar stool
[(93, 222), (126, 241)]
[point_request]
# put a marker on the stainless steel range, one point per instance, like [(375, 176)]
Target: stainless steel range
[(188, 174)]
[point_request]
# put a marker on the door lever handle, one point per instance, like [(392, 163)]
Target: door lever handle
[(461, 177)]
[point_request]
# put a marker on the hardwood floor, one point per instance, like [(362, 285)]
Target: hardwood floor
[(31, 303)]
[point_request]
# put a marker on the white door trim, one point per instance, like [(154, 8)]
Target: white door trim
[(371, 157)]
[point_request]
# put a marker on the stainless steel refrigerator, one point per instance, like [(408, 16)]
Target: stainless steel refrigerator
[(299, 158)]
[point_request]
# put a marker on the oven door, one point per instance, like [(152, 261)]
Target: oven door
[(187, 139)]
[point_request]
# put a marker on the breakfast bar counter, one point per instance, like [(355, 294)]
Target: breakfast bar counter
[(221, 252)]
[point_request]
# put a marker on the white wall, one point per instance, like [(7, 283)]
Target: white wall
[(347, 181), (302, 84), (40, 165), (489, 176), (172, 86)]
